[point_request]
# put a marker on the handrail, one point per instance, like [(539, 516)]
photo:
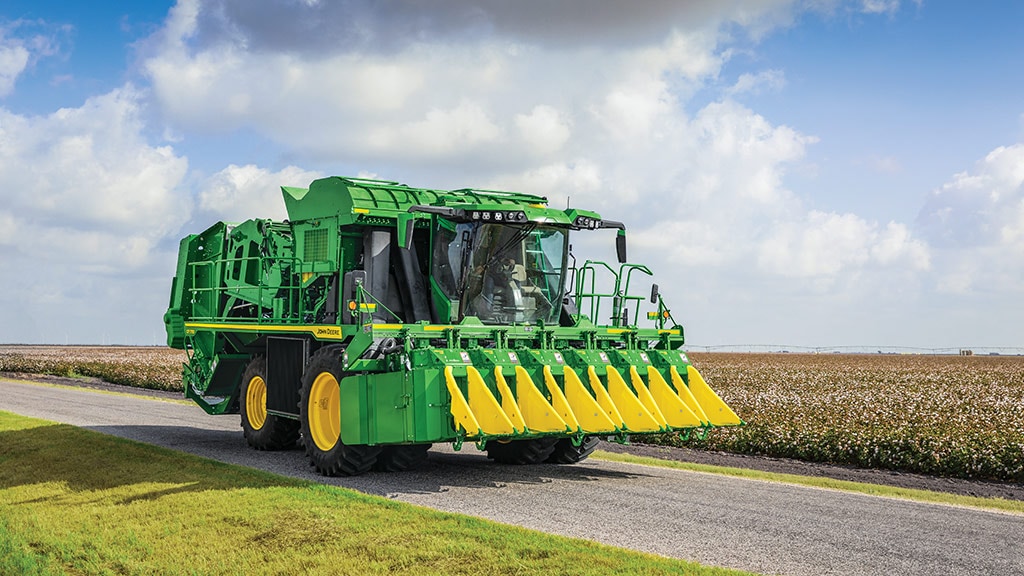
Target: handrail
[(593, 296), (624, 292), (586, 289), (293, 308)]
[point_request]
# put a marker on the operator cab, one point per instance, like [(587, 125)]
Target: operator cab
[(501, 273)]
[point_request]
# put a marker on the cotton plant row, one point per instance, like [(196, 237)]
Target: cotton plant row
[(156, 368), (943, 415)]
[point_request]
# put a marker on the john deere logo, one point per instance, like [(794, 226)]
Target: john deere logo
[(328, 331)]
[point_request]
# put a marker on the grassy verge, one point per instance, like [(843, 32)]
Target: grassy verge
[(76, 501), (1000, 504)]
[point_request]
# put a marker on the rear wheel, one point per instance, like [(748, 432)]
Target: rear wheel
[(521, 451), (566, 453), (401, 457), (320, 417), (262, 431)]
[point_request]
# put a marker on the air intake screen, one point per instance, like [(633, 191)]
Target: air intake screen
[(315, 245)]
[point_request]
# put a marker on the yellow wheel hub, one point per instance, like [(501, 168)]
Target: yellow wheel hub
[(256, 402), (324, 411)]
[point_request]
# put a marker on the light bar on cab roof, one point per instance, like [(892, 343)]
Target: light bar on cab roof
[(497, 215)]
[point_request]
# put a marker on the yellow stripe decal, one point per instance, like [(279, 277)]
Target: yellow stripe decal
[(318, 330), (387, 326), (431, 328)]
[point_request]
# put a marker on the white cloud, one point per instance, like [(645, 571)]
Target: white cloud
[(458, 130), (632, 112), (1012, 229), (693, 54), (767, 80), (977, 222), (20, 48), (827, 243), (238, 193), (579, 180), (896, 245), (89, 211), (879, 6), (544, 129), (433, 97), (90, 169), (13, 59), (9, 229), (885, 164)]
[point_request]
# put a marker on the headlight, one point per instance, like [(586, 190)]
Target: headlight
[(586, 222), (498, 215)]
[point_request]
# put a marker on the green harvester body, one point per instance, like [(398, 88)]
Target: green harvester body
[(380, 316)]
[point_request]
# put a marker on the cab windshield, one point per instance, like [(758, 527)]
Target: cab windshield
[(503, 274)]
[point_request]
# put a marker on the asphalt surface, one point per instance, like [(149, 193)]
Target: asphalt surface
[(717, 520)]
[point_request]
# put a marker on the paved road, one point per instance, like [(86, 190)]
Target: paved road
[(717, 520)]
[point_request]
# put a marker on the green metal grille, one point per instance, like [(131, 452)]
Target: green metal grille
[(315, 245)]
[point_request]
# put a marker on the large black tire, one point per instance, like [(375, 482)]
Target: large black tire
[(521, 451), (320, 417), (566, 453), (263, 431), (402, 457)]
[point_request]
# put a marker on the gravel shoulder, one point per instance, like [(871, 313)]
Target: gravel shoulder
[(1009, 491)]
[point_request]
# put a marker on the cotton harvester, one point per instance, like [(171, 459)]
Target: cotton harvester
[(380, 318)]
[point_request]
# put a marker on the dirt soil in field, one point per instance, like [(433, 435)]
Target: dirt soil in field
[(1010, 491)]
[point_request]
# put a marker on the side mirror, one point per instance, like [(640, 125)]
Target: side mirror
[(620, 246), (654, 293)]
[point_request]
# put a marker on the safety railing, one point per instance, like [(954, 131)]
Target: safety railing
[(217, 295), (586, 291)]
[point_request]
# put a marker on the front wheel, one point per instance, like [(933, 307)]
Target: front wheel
[(532, 451), (320, 417), (567, 453), (263, 431)]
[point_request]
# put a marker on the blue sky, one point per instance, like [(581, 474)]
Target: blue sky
[(816, 173)]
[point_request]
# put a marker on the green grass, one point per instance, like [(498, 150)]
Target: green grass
[(999, 504), (73, 501)]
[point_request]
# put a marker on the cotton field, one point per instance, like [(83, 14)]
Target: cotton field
[(946, 415)]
